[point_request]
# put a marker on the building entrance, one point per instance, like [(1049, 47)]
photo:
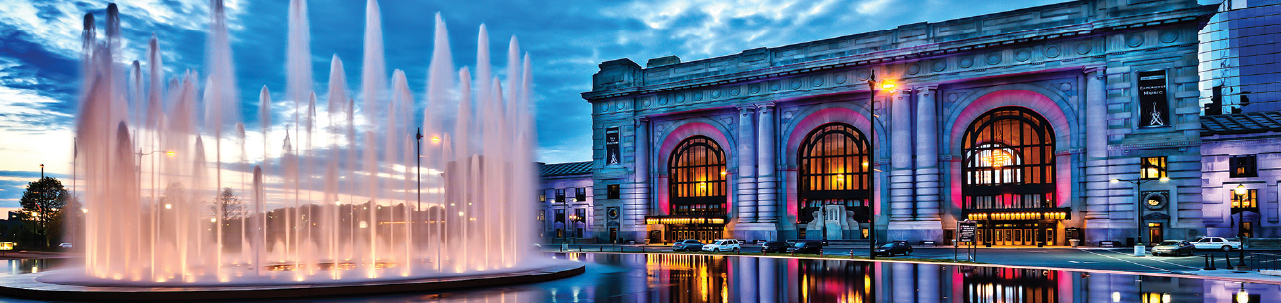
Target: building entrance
[(1018, 233)]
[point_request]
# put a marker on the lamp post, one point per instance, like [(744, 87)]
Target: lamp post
[(1240, 191), (871, 209), (1139, 249)]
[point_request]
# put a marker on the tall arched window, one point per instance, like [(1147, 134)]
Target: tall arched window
[(1008, 161), (833, 170), (696, 172)]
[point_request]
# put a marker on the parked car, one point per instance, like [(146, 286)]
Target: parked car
[(65, 245), (687, 245), (806, 247), (774, 247), (1172, 247), (1216, 243), (723, 245), (893, 248)]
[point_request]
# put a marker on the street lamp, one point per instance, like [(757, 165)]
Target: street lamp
[(1240, 192), (1139, 250), (871, 208)]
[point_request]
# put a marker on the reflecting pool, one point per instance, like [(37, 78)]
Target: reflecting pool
[(712, 278)]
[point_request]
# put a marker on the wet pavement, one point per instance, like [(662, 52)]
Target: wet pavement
[(723, 278)]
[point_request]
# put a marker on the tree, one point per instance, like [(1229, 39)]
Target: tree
[(42, 205), (228, 207)]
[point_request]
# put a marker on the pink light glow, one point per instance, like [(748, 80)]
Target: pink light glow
[(1022, 98), (675, 137)]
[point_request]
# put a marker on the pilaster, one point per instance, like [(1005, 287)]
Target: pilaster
[(746, 164), (927, 168), (766, 170)]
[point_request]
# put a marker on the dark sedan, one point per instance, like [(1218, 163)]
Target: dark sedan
[(688, 245), (1173, 247), (893, 248), (806, 247), (774, 247)]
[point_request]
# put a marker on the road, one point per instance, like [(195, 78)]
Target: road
[(1119, 259)]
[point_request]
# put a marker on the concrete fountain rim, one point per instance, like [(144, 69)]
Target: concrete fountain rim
[(29, 286)]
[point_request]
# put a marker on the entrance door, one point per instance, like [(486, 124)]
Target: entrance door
[(1155, 234)]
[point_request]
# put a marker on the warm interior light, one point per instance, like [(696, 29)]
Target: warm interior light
[(997, 158), (1163, 179)]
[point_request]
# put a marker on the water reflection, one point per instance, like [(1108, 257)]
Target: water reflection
[(26, 266), (704, 278), (710, 278)]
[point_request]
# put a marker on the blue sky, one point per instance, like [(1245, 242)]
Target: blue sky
[(39, 51)]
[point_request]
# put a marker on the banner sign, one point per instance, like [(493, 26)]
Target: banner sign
[(1154, 108), (611, 146)]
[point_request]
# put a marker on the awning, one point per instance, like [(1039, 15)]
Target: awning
[(1019, 214), (683, 220)]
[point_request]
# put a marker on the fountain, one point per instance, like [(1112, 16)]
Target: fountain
[(175, 201)]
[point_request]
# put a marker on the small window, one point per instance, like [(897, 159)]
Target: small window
[(1247, 201), (580, 194), (542, 196), (560, 195), (614, 191), (1243, 166), (1153, 168)]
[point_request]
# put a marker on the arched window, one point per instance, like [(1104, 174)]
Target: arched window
[(833, 170), (696, 172), (1008, 161)]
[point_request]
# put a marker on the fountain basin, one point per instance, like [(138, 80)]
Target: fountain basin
[(54, 286)]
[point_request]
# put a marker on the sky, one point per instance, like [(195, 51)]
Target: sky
[(566, 40)]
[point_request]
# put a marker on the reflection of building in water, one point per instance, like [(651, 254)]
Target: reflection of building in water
[(833, 281), (693, 278), (994, 284)]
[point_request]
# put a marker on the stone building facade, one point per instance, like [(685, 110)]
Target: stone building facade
[(1015, 120), (565, 202)]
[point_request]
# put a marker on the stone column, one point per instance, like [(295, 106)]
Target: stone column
[(1096, 145), (746, 164), (636, 206), (901, 193), (927, 158), (766, 192)]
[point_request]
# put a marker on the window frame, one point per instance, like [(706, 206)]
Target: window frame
[(613, 191), (834, 168), (688, 196), (1251, 201), (580, 194), (1031, 137), (1243, 166), (560, 195), (1158, 163)]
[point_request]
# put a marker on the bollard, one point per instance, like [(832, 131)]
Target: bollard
[(1227, 260), (1209, 263)]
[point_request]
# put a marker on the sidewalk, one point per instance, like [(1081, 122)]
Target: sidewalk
[(1237, 276)]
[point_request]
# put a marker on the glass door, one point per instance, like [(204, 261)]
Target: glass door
[(1155, 234)]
